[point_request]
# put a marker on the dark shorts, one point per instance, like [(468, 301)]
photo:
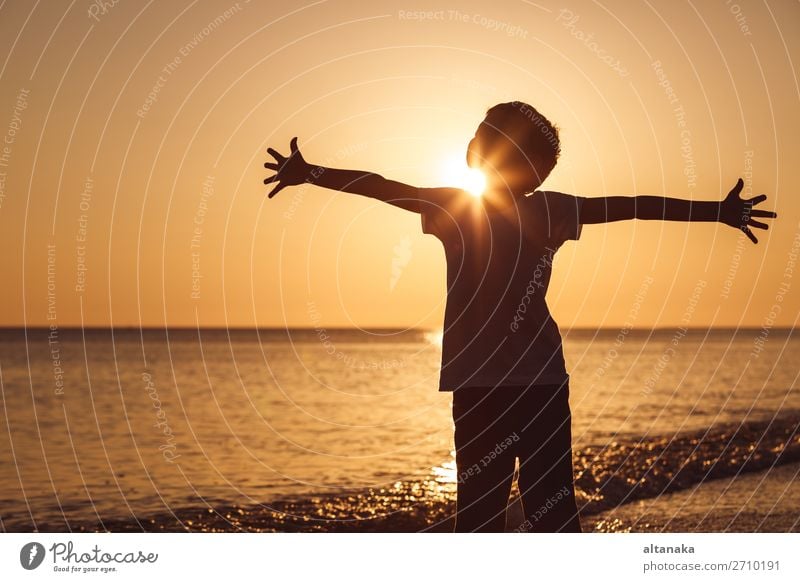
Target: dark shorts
[(494, 427)]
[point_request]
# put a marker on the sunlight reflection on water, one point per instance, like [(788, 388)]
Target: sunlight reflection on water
[(258, 417)]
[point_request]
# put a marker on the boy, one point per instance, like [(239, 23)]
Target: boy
[(501, 352)]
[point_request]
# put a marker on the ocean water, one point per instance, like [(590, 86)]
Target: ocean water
[(104, 426)]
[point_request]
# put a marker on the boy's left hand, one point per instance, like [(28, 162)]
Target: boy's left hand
[(738, 212)]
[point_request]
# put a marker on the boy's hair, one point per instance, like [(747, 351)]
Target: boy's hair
[(531, 131)]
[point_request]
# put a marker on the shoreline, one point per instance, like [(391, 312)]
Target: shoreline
[(715, 506), (610, 481)]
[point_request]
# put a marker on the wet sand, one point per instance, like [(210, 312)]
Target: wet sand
[(768, 501)]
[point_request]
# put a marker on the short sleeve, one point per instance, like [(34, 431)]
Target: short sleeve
[(434, 216), (427, 215), (562, 213)]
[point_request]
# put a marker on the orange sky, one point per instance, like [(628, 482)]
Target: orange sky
[(131, 161)]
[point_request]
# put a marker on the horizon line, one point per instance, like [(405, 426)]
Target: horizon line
[(370, 328)]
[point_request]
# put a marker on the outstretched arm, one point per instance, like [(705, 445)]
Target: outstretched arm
[(294, 170), (733, 210)]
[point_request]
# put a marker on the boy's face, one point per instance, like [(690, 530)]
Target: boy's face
[(506, 166)]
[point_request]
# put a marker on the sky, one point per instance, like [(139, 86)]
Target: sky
[(134, 136)]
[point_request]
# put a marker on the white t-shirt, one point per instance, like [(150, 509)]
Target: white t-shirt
[(497, 327)]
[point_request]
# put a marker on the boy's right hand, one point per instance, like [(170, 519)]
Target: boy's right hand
[(289, 171)]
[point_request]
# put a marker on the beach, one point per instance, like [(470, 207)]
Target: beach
[(288, 431), (767, 501), (693, 482)]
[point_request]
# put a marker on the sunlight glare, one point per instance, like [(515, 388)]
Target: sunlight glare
[(435, 338), (455, 172)]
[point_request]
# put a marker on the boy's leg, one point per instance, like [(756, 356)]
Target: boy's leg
[(545, 451), (484, 462)]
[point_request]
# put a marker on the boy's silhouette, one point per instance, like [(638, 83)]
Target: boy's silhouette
[(501, 352)]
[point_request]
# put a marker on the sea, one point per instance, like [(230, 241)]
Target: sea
[(344, 429)]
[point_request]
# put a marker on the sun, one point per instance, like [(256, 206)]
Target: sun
[(455, 172)]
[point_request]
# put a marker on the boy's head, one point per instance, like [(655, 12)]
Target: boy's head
[(515, 146)]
